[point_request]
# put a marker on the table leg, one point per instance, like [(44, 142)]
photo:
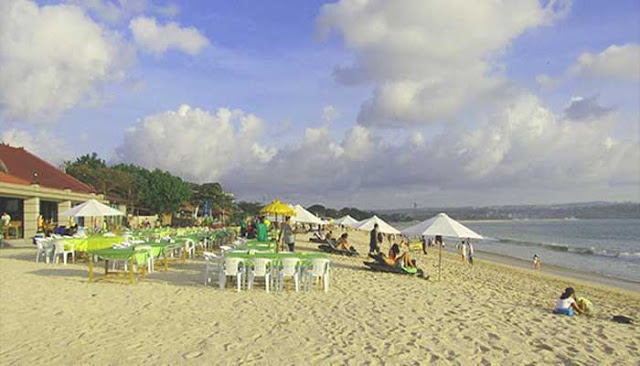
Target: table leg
[(131, 269), (90, 269), (106, 267)]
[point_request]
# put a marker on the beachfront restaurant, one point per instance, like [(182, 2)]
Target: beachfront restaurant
[(31, 187)]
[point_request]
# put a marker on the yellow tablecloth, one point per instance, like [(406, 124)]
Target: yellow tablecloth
[(92, 243)]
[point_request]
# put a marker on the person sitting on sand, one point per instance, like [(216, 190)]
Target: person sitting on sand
[(402, 261), (566, 304), (343, 243), (394, 251), (329, 235)]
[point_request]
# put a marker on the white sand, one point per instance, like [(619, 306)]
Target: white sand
[(489, 314)]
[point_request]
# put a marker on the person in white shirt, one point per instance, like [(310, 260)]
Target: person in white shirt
[(470, 251), (566, 304)]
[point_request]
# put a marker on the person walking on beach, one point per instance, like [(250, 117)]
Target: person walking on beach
[(470, 251), (463, 251), (373, 240), (425, 244), (286, 234), (536, 262)]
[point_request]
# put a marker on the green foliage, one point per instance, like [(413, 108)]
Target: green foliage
[(165, 192), (250, 208), (155, 191)]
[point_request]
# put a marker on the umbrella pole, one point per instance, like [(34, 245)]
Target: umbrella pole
[(439, 259)]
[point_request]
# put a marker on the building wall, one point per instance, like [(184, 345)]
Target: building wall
[(32, 195)]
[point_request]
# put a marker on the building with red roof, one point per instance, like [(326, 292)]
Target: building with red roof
[(31, 187)]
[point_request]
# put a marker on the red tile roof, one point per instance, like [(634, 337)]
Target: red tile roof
[(21, 164), (8, 178)]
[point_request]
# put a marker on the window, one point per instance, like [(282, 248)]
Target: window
[(14, 207)]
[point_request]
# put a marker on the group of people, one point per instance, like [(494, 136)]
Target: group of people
[(465, 248), (258, 228), (570, 304), (394, 258)]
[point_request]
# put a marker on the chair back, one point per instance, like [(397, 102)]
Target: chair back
[(211, 258), (189, 243), (59, 245), (319, 266), (232, 266), (42, 243), (261, 266), (290, 266)]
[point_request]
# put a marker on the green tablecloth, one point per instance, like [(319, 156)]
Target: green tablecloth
[(121, 254), (92, 243)]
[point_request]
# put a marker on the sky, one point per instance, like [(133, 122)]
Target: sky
[(367, 103)]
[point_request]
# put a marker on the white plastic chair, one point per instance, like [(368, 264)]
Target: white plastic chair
[(261, 268), (190, 247), (60, 251), (232, 267), (290, 268), (224, 248), (150, 260), (213, 267), (42, 246), (319, 269)]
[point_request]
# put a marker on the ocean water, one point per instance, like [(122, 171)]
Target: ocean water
[(607, 247)]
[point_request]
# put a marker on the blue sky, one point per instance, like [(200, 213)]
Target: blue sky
[(269, 59)]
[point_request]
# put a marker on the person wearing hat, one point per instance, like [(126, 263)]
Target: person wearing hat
[(566, 304)]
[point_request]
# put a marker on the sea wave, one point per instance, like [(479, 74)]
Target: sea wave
[(627, 256)]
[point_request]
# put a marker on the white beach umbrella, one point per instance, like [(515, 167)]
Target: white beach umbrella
[(92, 208), (305, 217), (383, 227), (442, 225), (346, 221)]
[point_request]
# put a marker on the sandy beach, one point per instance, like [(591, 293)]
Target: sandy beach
[(489, 314)]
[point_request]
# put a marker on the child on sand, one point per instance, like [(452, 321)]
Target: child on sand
[(566, 304), (536, 262)]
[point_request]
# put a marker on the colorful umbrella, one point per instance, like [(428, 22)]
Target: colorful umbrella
[(278, 208)]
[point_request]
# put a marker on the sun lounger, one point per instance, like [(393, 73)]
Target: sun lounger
[(331, 247)]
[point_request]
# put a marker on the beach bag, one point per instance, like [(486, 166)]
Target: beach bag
[(622, 319)]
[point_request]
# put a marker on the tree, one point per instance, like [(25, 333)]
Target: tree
[(165, 192)]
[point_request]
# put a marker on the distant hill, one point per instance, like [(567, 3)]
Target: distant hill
[(587, 210)]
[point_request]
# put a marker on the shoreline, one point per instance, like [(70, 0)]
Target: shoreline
[(557, 271)]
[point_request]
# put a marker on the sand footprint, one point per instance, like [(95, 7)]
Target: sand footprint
[(192, 355)]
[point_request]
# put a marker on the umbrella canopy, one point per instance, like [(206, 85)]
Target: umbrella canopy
[(383, 227), (92, 208), (278, 208), (346, 221), (443, 225), (305, 217)]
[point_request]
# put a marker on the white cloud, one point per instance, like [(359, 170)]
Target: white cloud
[(114, 11), (157, 38), (195, 143), (429, 59), (525, 147), (54, 57), (616, 62), (42, 144)]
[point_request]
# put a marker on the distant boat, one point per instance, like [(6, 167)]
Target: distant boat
[(572, 218)]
